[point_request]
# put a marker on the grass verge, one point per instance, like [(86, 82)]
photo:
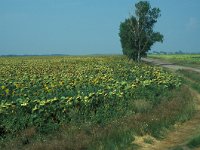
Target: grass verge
[(182, 59), (194, 142), (192, 78), (174, 106)]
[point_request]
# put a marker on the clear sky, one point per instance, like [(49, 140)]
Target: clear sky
[(90, 26)]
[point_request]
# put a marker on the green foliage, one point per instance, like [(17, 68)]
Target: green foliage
[(136, 32), (115, 139), (192, 60), (117, 133), (148, 140), (194, 80), (48, 92), (194, 142), (190, 74)]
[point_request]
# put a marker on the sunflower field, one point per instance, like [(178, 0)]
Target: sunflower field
[(47, 92)]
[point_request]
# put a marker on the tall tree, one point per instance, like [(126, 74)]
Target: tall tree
[(137, 34)]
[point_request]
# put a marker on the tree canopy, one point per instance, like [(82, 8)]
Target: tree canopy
[(136, 32)]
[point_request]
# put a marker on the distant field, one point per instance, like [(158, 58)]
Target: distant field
[(182, 59)]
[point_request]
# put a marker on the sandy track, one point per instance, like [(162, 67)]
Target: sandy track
[(181, 132), (169, 65)]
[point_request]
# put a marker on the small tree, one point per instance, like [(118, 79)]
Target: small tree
[(136, 32)]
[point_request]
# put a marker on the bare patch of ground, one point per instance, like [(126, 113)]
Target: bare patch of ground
[(182, 132), (178, 136), (168, 65)]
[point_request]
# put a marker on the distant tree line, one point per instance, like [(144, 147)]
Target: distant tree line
[(175, 52)]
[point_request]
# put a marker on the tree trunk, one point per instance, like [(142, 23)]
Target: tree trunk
[(138, 56)]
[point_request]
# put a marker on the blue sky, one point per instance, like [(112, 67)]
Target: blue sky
[(90, 26)]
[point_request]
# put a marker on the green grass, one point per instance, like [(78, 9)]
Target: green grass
[(148, 140), (192, 78), (194, 142), (191, 74), (119, 133), (192, 60), (47, 92), (177, 148), (47, 104)]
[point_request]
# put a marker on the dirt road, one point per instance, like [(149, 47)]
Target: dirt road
[(169, 65), (181, 133)]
